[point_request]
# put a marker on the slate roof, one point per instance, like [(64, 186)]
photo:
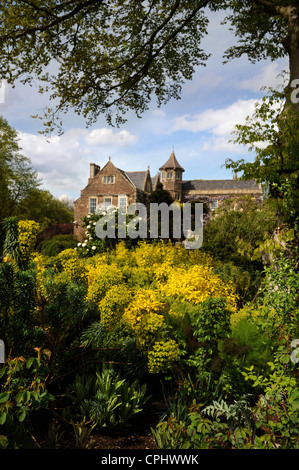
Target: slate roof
[(155, 180), (137, 178), (172, 163), (205, 185)]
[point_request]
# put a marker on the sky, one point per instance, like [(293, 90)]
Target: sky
[(198, 127)]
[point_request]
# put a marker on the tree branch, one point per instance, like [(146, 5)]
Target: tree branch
[(57, 21), (150, 59), (272, 9)]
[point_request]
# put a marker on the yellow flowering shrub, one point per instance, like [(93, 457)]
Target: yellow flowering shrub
[(100, 278), (40, 288), (122, 253), (196, 284), (27, 233), (72, 266), (145, 317), (162, 258), (112, 306), (250, 313), (162, 355)]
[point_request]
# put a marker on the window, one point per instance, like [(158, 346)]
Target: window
[(108, 179), (169, 174), (92, 205), (122, 201), (177, 175), (177, 196), (107, 202), (214, 205)]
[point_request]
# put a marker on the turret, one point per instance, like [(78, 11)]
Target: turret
[(171, 177)]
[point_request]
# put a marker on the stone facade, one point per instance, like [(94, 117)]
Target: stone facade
[(111, 186)]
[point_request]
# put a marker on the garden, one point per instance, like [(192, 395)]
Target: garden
[(150, 345)]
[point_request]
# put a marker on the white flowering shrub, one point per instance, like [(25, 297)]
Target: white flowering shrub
[(92, 244)]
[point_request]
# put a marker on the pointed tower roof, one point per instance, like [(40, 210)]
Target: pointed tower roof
[(172, 163)]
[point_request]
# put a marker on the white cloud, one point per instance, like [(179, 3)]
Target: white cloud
[(219, 122), (62, 162), (217, 126), (105, 136), (221, 144), (159, 112), (270, 76)]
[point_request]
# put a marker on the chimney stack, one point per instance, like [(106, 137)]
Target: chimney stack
[(94, 169)]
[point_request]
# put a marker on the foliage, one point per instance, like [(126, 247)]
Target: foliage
[(27, 233), (11, 246), (109, 401), (162, 355), (23, 393), (42, 207), (20, 194), (111, 58), (271, 423), (157, 312), (53, 246), (272, 133), (160, 195), (17, 179), (280, 293), (92, 243), (197, 284), (113, 305), (237, 231)]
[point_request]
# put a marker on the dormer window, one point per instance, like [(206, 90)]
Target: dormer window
[(108, 179)]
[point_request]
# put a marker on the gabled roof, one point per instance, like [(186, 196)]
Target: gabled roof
[(137, 178), (155, 180), (172, 163)]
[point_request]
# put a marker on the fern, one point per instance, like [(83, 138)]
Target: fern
[(236, 414)]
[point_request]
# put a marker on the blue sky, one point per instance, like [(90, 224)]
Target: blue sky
[(198, 126)]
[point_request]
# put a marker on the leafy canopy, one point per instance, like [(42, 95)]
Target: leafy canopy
[(103, 57)]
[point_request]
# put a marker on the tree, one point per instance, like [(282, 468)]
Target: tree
[(236, 235), (160, 195), (20, 192), (42, 207), (273, 135), (17, 179), (100, 57)]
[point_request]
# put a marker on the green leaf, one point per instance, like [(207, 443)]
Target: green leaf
[(3, 417), (21, 415), (19, 397), (29, 362), (294, 399), (4, 396)]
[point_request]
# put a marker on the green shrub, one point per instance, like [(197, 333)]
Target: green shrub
[(254, 346), (109, 401), (52, 247), (23, 393)]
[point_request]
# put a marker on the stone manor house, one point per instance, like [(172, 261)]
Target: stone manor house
[(111, 186)]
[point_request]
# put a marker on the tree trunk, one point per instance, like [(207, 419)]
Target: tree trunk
[(292, 47)]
